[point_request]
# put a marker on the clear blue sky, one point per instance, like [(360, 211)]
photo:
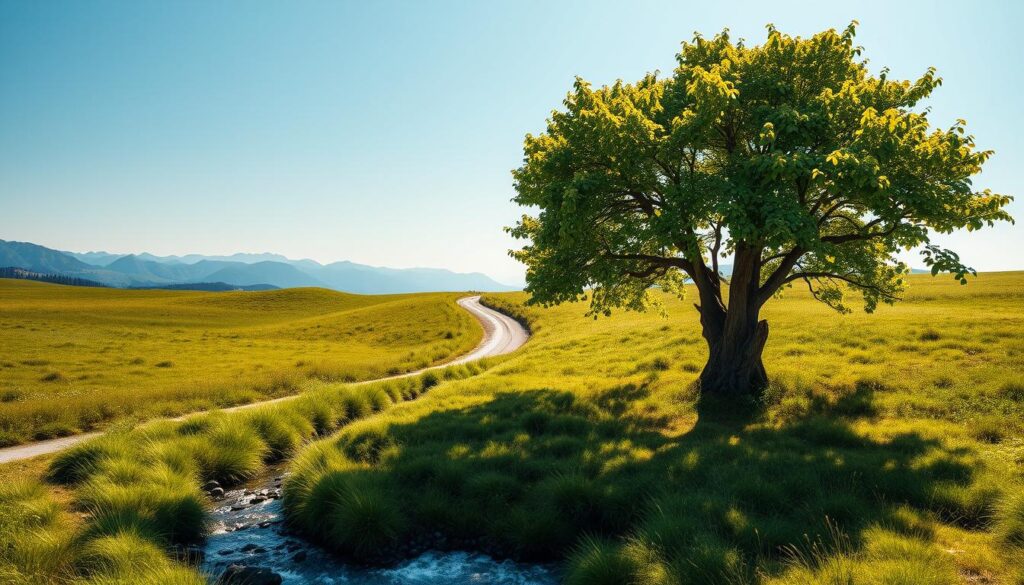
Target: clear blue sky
[(384, 132)]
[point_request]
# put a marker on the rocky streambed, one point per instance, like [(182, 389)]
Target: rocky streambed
[(249, 544)]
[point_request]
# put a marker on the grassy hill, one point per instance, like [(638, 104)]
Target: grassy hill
[(888, 450), (77, 358)]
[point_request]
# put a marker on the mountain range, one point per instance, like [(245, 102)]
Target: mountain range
[(240, 270)]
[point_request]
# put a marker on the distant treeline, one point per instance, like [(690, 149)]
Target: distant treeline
[(23, 274)]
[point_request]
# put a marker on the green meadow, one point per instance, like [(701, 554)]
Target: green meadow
[(887, 450), (76, 358)]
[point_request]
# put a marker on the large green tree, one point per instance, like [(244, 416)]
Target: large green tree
[(790, 156)]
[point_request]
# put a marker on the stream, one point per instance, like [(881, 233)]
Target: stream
[(248, 530)]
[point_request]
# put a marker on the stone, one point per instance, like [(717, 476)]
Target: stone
[(241, 575), (299, 557)]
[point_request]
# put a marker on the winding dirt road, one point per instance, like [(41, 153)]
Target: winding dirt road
[(502, 334)]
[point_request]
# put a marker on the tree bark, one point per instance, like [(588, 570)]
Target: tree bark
[(734, 335), (734, 366)]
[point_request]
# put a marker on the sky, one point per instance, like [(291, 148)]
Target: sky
[(385, 132)]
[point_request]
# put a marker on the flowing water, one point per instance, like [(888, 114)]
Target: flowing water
[(248, 531)]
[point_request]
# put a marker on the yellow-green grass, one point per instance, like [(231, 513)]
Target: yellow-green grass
[(888, 449), (114, 509), (77, 358)]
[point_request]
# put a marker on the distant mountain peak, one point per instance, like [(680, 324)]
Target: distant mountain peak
[(242, 269)]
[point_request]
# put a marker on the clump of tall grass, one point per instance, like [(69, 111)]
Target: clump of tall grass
[(283, 430), (162, 505), (230, 453), (884, 557), (73, 465), (358, 519), (36, 539), (1009, 524), (600, 562)]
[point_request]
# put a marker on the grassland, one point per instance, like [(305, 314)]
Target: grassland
[(889, 449), (75, 358), (122, 508)]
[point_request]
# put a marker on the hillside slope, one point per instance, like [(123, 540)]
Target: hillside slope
[(78, 358)]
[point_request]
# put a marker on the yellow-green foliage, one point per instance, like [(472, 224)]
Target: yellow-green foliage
[(76, 358), (887, 450)]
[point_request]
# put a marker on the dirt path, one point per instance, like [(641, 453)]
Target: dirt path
[(502, 334)]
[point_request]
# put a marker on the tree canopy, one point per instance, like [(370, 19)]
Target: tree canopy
[(791, 153)]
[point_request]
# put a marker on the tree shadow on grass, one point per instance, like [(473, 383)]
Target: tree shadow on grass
[(527, 474)]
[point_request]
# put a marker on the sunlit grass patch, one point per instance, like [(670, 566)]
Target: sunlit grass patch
[(142, 354)]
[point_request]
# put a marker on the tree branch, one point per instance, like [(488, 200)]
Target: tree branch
[(778, 277), (843, 277)]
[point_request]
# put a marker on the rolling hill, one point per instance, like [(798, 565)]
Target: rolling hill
[(76, 358)]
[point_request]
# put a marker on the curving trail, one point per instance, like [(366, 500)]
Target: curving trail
[(502, 334)]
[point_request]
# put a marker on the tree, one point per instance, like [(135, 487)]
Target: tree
[(790, 156)]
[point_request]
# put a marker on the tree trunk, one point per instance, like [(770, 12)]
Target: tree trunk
[(734, 335), (734, 365)]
